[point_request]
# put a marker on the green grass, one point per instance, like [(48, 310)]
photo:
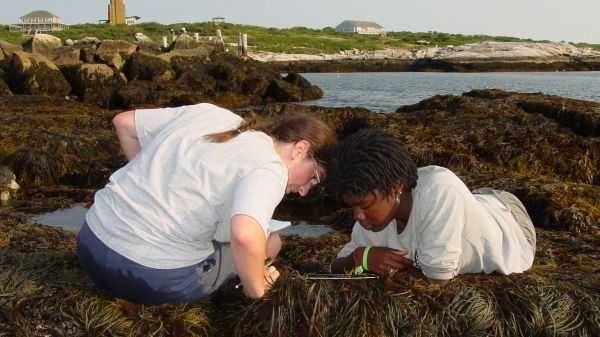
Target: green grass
[(290, 40)]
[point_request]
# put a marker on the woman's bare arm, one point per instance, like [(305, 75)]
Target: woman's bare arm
[(124, 124)]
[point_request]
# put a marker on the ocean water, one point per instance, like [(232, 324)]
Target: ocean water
[(385, 92)]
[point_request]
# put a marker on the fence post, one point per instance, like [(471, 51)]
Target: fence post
[(244, 44)]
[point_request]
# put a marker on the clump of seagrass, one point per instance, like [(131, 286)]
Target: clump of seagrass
[(311, 254), (476, 305)]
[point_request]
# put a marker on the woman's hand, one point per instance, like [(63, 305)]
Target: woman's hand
[(271, 275), (383, 260)]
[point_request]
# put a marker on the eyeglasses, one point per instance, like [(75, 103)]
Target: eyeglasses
[(316, 167)]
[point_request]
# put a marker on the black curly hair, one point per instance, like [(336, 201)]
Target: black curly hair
[(369, 160)]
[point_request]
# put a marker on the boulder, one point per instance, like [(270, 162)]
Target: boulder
[(40, 43), (199, 81), (87, 41), (152, 94), (8, 184), (145, 43), (146, 67), (185, 41), (63, 55), (4, 89), (202, 52), (284, 92), (34, 74), (95, 83), (112, 59), (309, 91), (87, 53), (7, 49), (256, 84), (123, 48), (229, 71)]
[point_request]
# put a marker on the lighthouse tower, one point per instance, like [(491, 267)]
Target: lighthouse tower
[(116, 12)]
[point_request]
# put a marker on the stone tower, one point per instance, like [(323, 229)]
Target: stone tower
[(116, 12)]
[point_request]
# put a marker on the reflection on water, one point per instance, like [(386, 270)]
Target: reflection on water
[(72, 218), (68, 218)]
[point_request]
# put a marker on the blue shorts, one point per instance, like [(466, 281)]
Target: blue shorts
[(134, 282)]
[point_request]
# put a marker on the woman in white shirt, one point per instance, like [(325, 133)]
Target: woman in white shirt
[(192, 208), (423, 222)]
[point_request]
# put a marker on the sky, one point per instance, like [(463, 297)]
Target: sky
[(554, 20)]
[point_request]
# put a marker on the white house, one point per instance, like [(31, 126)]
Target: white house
[(39, 21), (360, 27)]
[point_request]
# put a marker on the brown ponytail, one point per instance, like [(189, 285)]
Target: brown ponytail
[(287, 129), (249, 123)]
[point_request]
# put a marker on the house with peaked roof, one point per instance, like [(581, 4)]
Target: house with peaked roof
[(360, 27), (39, 21)]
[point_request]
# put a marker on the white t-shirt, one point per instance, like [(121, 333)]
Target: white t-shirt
[(166, 206), (450, 231)]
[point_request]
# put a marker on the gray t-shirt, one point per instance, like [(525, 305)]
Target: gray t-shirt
[(451, 231), (166, 206)]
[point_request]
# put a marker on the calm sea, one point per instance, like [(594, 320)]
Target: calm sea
[(385, 92)]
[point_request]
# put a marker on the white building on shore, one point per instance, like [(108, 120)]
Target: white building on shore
[(360, 27), (39, 21)]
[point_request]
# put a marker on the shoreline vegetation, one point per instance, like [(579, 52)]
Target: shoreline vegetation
[(301, 49), (56, 106)]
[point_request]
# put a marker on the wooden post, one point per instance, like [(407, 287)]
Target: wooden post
[(196, 37), (240, 42), (164, 42), (244, 44)]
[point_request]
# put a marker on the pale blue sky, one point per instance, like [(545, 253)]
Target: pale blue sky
[(555, 20)]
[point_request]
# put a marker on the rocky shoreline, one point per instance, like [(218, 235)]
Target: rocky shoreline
[(58, 140), (480, 57)]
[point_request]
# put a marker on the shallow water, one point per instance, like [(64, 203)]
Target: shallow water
[(68, 218), (386, 92), (72, 218)]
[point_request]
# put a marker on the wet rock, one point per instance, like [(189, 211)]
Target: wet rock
[(114, 60), (284, 91), (148, 68), (7, 49), (309, 91), (198, 80), (4, 88), (34, 74), (123, 48), (63, 56), (8, 184), (202, 53), (256, 84), (95, 83), (87, 53), (138, 94), (49, 140), (114, 52)]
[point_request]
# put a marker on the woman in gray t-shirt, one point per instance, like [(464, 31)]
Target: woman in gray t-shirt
[(193, 206)]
